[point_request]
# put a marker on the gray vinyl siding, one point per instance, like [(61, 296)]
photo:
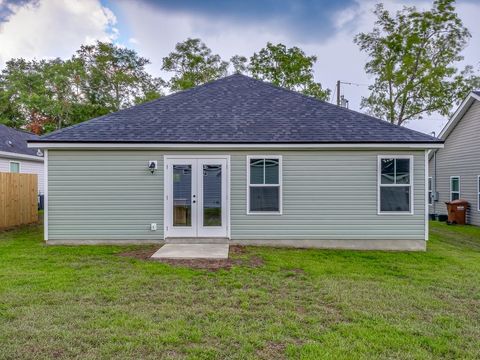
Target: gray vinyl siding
[(100, 195), (460, 157)]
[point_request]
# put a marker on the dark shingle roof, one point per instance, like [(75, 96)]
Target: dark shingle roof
[(15, 141), (237, 109)]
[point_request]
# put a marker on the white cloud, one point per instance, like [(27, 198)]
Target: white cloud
[(54, 28)]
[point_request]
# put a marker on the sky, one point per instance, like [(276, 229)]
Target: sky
[(325, 28)]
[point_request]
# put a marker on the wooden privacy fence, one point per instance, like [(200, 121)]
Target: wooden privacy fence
[(18, 199)]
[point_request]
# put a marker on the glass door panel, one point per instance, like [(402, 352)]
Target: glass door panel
[(182, 195), (212, 195), (212, 182)]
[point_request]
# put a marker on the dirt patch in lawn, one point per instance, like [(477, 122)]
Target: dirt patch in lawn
[(272, 350), (238, 256), (142, 254)]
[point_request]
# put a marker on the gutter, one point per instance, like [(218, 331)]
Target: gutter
[(12, 155), (45, 144)]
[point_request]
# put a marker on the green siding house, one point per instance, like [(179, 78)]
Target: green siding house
[(241, 161)]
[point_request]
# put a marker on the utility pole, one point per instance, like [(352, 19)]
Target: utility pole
[(338, 93)]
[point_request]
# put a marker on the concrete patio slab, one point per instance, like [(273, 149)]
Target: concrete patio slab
[(192, 251)]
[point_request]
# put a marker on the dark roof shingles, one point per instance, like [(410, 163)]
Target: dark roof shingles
[(15, 141), (237, 109)]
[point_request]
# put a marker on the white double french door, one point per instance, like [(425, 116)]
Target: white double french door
[(196, 193)]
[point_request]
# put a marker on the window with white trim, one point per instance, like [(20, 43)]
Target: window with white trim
[(454, 188), (395, 179), (264, 184), (430, 193), (14, 167)]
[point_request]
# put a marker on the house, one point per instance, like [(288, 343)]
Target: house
[(242, 161), (16, 156), (455, 169)]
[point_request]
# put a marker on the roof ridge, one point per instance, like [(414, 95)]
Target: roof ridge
[(19, 130)]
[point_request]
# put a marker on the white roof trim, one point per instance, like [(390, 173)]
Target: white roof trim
[(138, 146), (12, 155), (457, 116)]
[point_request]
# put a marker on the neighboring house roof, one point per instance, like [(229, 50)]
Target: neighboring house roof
[(457, 116), (237, 110), (15, 141)]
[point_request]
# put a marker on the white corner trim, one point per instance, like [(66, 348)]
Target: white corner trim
[(478, 192), (426, 203), (20, 156), (412, 190), (45, 196), (280, 184), (226, 146)]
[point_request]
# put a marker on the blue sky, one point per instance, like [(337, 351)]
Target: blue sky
[(322, 28)]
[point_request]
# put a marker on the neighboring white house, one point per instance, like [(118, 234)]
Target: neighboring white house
[(15, 156), (455, 169)]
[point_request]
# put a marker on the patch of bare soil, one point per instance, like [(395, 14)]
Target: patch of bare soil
[(142, 254), (205, 264), (272, 350)]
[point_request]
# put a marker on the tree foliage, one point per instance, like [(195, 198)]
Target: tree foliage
[(48, 95), (412, 56), (193, 64), (290, 68), (239, 64)]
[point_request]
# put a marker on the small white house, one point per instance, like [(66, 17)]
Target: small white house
[(16, 157)]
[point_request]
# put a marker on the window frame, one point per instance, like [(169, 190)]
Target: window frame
[(478, 192), (19, 167), (380, 185), (430, 190), (279, 185), (459, 186)]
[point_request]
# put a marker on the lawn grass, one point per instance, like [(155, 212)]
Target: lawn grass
[(87, 302)]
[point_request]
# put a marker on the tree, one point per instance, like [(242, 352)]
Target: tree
[(239, 63), (115, 77), (193, 64), (287, 67), (411, 58), (24, 99), (47, 95)]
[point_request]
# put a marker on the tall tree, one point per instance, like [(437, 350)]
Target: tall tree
[(115, 77), (193, 64), (412, 56), (48, 95), (24, 98), (290, 68)]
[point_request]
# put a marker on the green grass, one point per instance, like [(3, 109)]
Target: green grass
[(87, 302)]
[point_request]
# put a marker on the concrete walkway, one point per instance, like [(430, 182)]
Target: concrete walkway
[(192, 251)]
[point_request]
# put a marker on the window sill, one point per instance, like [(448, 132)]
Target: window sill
[(403, 213), (264, 213)]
